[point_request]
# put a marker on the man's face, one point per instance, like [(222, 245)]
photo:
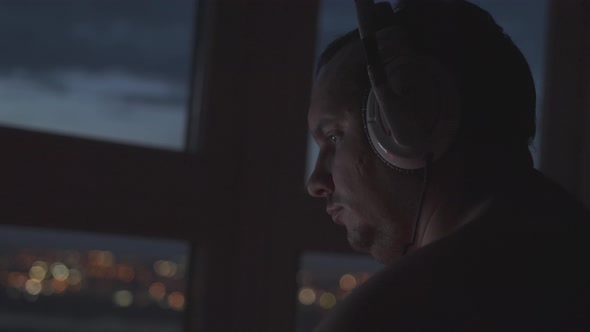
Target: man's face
[(375, 203)]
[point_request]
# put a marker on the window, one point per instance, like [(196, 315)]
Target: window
[(326, 279), (72, 281), (525, 22), (104, 69)]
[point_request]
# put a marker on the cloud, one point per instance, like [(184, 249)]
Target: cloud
[(112, 106), (149, 37)]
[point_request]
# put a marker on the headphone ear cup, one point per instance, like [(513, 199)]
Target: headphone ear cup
[(381, 140), (426, 114)]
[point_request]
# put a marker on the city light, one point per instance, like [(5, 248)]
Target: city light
[(59, 286), (327, 300), (157, 291), (123, 298), (306, 296), (38, 272), (165, 268), (348, 282), (94, 275), (176, 300), (60, 271), (74, 277), (33, 286)]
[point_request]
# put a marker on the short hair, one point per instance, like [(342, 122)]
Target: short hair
[(498, 93)]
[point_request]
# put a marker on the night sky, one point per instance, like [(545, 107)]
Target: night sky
[(104, 69), (144, 37)]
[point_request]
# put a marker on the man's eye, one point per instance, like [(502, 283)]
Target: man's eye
[(333, 138)]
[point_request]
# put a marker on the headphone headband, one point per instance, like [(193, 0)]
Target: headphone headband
[(411, 111)]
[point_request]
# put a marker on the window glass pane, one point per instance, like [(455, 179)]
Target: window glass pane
[(70, 282), (326, 279), (103, 69), (524, 20)]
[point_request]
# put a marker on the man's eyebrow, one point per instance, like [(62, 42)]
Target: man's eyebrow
[(324, 122)]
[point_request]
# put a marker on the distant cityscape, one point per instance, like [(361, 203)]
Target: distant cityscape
[(137, 293), (87, 284), (324, 281)]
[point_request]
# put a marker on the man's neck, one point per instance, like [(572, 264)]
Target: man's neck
[(442, 217)]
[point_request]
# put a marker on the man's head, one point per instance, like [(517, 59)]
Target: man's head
[(375, 202)]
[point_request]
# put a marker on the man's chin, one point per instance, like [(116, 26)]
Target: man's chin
[(360, 240), (364, 241)]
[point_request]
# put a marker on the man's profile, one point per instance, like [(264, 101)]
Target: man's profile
[(473, 238)]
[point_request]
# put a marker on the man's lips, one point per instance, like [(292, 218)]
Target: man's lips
[(334, 212)]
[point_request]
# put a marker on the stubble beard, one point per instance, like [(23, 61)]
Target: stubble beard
[(386, 244), (361, 238)]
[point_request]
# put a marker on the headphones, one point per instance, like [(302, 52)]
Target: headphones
[(411, 112)]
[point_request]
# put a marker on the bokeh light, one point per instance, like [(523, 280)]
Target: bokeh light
[(123, 298), (74, 277), (59, 286), (157, 290), (33, 286), (176, 300), (38, 271), (327, 300), (165, 268), (306, 296), (348, 282), (60, 271)]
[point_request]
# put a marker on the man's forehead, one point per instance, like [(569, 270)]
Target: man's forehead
[(338, 87), (344, 76), (345, 69)]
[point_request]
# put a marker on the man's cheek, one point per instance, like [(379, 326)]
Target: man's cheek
[(364, 165)]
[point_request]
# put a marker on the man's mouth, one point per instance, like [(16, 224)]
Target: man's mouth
[(334, 212)]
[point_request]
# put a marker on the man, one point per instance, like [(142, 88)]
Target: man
[(475, 239)]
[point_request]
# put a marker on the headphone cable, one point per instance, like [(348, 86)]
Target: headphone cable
[(421, 202)]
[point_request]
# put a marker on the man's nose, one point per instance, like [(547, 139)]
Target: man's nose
[(320, 183)]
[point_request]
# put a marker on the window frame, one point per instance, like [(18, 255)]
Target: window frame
[(234, 194)]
